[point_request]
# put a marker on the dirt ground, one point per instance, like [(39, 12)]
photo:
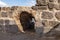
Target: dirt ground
[(24, 36)]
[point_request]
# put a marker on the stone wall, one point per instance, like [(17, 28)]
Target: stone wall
[(46, 14), (47, 5), (9, 18)]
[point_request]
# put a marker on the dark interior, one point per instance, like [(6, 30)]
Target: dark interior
[(25, 19)]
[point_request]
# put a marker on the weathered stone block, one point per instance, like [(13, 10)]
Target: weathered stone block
[(46, 26), (57, 7), (53, 23), (1, 21), (41, 2), (57, 15), (11, 28), (1, 27), (45, 23), (4, 14), (14, 8), (39, 7), (7, 8), (3, 8), (6, 22), (42, 7), (10, 14), (49, 25), (39, 28), (50, 5), (12, 22), (47, 15), (35, 7), (51, 0)]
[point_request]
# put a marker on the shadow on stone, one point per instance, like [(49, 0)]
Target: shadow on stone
[(26, 21)]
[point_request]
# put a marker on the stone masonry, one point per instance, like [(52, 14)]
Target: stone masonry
[(48, 14), (10, 18), (45, 12)]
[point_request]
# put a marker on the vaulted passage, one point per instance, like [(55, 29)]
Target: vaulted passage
[(26, 21)]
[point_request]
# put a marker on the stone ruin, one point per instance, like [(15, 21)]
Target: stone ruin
[(46, 14), (15, 19)]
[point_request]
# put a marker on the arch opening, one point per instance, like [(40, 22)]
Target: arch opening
[(26, 21)]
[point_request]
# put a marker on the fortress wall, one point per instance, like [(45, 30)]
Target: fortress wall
[(9, 17), (46, 13)]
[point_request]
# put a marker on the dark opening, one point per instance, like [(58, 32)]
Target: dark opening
[(26, 21)]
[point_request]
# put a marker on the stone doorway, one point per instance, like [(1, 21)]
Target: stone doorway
[(26, 21)]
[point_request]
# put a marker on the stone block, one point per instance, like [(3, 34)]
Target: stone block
[(49, 25), (1, 21), (4, 14), (39, 28), (12, 22), (57, 15), (10, 14), (51, 0), (45, 27), (57, 6), (1, 27), (6, 22), (53, 23), (41, 2), (45, 23), (39, 7), (47, 15), (14, 8), (35, 7), (42, 7), (11, 28), (50, 5), (3, 8)]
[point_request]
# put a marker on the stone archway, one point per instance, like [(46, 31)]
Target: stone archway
[(26, 21)]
